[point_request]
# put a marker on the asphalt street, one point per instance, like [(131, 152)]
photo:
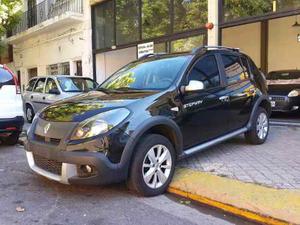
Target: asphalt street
[(28, 199)]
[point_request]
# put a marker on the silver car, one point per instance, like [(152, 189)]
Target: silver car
[(43, 91)]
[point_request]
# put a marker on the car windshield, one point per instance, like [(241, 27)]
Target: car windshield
[(293, 75), (75, 84), (151, 74)]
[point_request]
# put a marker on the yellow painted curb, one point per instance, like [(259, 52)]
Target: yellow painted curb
[(251, 201)]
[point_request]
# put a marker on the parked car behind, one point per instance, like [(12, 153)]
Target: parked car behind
[(11, 110), (284, 90), (43, 91), (151, 113)]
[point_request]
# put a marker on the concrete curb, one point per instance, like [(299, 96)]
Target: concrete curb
[(251, 201)]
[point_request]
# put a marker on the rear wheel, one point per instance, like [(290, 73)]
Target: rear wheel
[(153, 165), (29, 113), (12, 139), (260, 130)]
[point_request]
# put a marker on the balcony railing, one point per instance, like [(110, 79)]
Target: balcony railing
[(44, 11)]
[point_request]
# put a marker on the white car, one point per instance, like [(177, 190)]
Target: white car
[(11, 107)]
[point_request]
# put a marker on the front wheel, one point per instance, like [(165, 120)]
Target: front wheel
[(260, 130), (29, 114), (153, 165)]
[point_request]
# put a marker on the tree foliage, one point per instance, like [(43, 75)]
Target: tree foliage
[(234, 9), (9, 17)]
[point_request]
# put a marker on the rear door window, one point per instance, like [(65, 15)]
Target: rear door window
[(233, 69), (30, 85), (39, 86), (6, 78)]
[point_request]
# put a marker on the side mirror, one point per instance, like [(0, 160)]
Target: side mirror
[(194, 85), (54, 91)]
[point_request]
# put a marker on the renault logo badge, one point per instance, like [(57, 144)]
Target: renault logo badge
[(46, 128)]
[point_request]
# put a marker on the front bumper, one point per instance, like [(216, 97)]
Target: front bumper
[(11, 125), (69, 162), (284, 103)]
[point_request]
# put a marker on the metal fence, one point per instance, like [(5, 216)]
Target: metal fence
[(46, 10)]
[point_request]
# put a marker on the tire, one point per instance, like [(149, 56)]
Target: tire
[(260, 129), (11, 140), (29, 113), (160, 173)]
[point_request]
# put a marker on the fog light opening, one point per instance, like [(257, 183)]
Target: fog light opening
[(86, 171)]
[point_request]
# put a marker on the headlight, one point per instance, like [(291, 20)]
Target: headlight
[(99, 124), (293, 93)]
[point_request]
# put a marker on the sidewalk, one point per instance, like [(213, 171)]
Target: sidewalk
[(261, 183)]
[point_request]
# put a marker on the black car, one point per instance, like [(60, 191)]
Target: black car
[(284, 90), (151, 113)]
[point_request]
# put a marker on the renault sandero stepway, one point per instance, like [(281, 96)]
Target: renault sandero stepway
[(148, 115)]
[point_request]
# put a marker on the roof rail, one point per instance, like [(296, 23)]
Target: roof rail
[(205, 48), (151, 55)]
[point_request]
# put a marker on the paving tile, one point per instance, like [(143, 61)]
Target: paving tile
[(275, 163)]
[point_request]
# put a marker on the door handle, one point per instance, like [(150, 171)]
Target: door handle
[(224, 98), (31, 97), (44, 98)]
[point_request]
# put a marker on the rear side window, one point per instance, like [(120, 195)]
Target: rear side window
[(206, 70), (245, 66), (30, 85), (233, 69), (6, 78), (39, 87)]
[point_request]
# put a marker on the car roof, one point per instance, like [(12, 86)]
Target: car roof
[(195, 52), (60, 76)]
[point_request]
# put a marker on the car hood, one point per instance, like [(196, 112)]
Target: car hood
[(282, 87), (83, 106)]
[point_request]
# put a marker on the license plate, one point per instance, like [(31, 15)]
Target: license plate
[(273, 104)]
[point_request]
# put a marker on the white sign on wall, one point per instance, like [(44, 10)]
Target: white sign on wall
[(145, 48)]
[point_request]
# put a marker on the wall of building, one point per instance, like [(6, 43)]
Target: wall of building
[(65, 43), (284, 48), (109, 62), (245, 37)]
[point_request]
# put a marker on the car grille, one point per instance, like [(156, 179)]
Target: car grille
[(278, 98), (44, 139), (49, 165)]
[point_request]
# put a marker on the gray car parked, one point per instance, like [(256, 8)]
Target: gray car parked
[(44, 90)]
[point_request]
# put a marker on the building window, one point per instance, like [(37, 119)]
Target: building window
[(59, 69), (238, 9), (52, 69), (127, 21), (187, 44), (104, 25), (156, 18), (117, 23), (189, 14)]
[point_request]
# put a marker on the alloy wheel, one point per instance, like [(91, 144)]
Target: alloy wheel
[(29, 114), (157, 166), (262, 126)]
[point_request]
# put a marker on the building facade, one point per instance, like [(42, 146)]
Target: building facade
[(267, 30), (53, 37)]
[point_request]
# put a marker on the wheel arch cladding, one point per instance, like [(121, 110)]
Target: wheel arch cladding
[(263, 102), (157, 125)]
